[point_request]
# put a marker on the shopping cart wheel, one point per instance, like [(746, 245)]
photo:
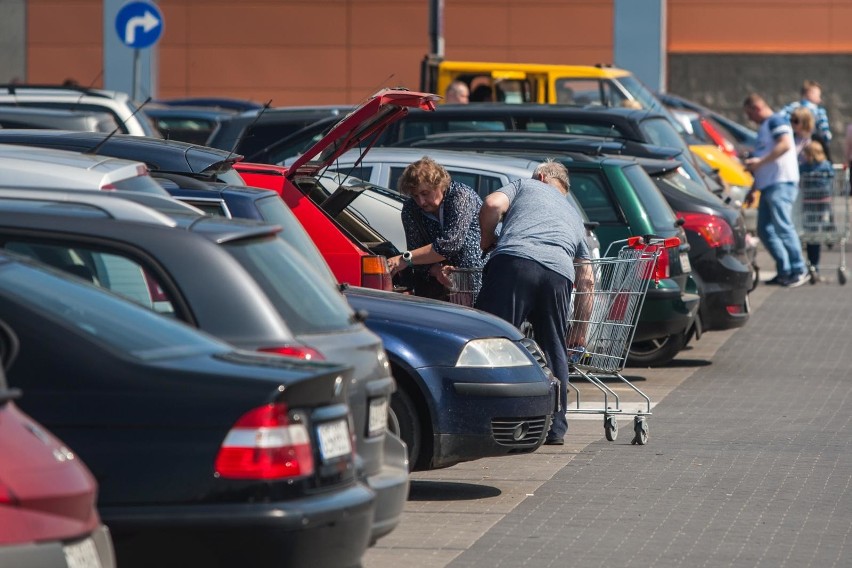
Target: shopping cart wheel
[(841, 275), (610, 427), (640, 428)]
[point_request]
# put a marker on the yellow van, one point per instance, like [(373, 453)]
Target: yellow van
[(541, 83)]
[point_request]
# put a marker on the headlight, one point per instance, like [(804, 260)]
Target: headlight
[(492, 352)]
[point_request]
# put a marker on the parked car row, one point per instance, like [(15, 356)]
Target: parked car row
[(223, 450)]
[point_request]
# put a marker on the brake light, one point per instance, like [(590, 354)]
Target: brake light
[(660, 247), (6, 496), (296, 351), (375, 273), (713, 229), (266, 444)]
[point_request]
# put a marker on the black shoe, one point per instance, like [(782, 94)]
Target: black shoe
[(774, 281), (554, 441)]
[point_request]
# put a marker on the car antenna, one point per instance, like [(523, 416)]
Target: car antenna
[(246, 130), (94, 150)]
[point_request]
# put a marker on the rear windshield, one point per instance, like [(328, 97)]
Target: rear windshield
[(273, 210), (121, 325), (659, 213), (683, 183), (145, 184), (304, 297)]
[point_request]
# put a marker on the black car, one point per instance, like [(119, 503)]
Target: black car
[(161, 156), (205, 455), (253, 133), (234, 279), (717, 246)]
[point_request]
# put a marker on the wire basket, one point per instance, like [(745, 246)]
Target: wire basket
[(465, 283)]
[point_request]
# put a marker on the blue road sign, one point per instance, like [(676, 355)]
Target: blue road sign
[(139, 24)]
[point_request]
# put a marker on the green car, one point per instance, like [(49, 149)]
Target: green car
[(623, 199)]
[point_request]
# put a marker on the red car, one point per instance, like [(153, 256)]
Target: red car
[(47, 496), (355, 252)]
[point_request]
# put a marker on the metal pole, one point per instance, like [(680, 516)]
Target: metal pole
[(137, 74), (436, 28)]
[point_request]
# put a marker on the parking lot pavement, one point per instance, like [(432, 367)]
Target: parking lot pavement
[(465, 512)]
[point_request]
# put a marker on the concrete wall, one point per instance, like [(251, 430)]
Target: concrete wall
[(721, 81), (13, 64)]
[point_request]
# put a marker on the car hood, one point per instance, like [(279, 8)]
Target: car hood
[(369, 119), (427, 332)]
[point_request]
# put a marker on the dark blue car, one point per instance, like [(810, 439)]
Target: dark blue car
[(469, 385)]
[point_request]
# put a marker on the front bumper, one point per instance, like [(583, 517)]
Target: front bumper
[(484, 412), (326, 529)]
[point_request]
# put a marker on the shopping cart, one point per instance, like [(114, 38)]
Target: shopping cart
[(465, 281), (821, 216), (603, 321)]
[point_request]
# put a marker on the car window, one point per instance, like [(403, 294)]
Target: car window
[(231, 177), (660, 132), (115, 272), (214, 207), (590, 190), (578, 91), (360, 172), (412, 129), (659, 212), (681, 182), (129, 329), (145, 184), (307, 301), (274, 211)]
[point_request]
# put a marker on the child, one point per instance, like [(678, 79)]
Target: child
[(817, 181)]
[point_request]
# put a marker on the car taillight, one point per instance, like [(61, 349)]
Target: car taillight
[(6, 496), (375, 274), (660, 247), (266, 444), (713, 229), (297, 351)]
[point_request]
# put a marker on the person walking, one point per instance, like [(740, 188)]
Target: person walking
[(776, 175), (811, 99), (441, 223), (531, 273)]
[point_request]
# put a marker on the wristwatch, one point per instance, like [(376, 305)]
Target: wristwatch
[(406, 256)]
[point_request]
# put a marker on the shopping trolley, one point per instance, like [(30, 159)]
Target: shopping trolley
[(603, 322), (464, 282), (821, 215)]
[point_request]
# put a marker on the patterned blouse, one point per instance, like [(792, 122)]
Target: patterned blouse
[(454, 233)]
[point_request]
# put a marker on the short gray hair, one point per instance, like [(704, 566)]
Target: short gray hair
[(553, 170)]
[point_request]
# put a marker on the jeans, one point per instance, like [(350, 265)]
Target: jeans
[(517, 290), (775, 228)]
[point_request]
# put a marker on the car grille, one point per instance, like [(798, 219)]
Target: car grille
[(519, 432), (531, 346)]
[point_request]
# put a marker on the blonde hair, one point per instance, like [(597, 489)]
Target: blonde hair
[(425, 170), (814, 153), (804, 116)]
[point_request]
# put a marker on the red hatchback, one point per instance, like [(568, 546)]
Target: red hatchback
[(47, 496), (355, 252)]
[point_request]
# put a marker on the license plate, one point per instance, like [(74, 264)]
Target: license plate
[(684, 263), (82, 554), (334, 439), (378, 419)]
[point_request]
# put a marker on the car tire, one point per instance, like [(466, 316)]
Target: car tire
[(409, 425), (655, 352)]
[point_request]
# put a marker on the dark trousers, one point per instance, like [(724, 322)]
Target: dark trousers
[(518, 290)]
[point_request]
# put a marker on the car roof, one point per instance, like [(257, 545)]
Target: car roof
[(108, 203), (451, 158), (158, 154), (43, 166)]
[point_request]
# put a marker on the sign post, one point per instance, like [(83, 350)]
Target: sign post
[(139, 25)]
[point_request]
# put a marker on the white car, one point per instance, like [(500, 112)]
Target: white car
[(119, 105), (382, 167), (28, 166)]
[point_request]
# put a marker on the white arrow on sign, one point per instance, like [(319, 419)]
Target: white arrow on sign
[(147, 22)]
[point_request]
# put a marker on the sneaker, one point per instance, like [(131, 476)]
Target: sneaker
[(774, 281), (796, 281)]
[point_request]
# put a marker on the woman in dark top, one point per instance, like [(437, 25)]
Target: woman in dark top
[(441, 222)]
